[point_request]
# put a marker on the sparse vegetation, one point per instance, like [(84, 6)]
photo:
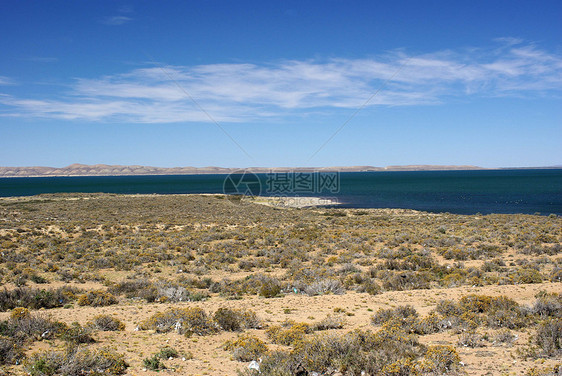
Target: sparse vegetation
[(199, 265), (75, 362)]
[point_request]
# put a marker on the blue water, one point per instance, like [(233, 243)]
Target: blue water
[(462, 192)]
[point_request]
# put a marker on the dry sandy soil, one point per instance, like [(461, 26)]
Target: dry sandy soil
[(194, 226)]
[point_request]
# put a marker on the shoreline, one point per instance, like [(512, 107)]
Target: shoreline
[(261, 171), (293, 202), (297, 202)]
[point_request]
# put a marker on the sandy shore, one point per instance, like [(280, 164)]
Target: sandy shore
[(280, 202), (293, 202)]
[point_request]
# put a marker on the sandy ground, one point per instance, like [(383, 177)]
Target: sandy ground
[(293, 202), (210, 359)]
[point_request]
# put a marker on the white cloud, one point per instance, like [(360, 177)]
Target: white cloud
[(246, 92), (116, 20), (6, 81)]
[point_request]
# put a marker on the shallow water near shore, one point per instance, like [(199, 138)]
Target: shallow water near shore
[(526, 191)]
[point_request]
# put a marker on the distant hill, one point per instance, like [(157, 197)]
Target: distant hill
[(109, 170), (118, 170)]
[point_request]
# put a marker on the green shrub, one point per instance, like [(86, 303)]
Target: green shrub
[(45, 364), (448, 308), (370, 286), (168, 352), (153, 363)]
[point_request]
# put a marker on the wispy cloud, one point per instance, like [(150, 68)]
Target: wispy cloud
[(248, 92), (116, 20), (6, 81)]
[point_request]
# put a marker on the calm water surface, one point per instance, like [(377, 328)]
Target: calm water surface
[(462, 192)]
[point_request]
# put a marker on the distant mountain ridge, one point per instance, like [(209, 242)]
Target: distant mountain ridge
[(109, 170), (77, 169)]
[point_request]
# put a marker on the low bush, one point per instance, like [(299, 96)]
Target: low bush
[(473, 310), (545, 371), (246, 348), (172, 293), (11, 351), (325, 286), (330, 322), (77, 334), (431, 323), (440, 360), (154, 363), (168, 353), (76, 362), (188, 321), (404, 317), (504, 336), (270, 287), (470, 339), (354, 353), (235, 320), (549, 337), (370, 286), (548, 305), (107, 323), (394, 314), (137, 288), (36, 298), (407, 280), (288, 333), (24, 326), (97, 298)]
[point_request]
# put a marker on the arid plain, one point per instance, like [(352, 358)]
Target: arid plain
[(205, 284)]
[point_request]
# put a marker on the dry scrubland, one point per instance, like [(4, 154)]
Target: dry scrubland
[(199, 285)]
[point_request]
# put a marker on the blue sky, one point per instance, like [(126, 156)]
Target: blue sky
[(281, 83)]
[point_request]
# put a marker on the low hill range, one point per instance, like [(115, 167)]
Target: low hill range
[(117, 170)]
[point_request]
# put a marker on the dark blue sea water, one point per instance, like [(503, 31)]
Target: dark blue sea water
[(462, 192)]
